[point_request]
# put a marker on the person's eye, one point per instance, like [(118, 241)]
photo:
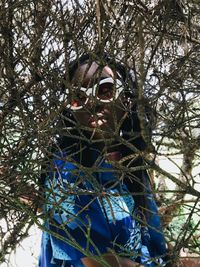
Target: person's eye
[(105, 91)]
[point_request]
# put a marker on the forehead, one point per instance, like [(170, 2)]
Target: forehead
[(88, 72)]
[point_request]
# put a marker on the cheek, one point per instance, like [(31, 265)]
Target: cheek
[(119, 110), (81, 117), (120, 114)]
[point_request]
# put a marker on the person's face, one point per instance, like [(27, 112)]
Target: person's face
[(100, 114)]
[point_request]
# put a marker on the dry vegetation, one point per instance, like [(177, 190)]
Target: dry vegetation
[(39, 38)]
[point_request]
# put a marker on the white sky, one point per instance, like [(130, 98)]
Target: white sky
[(26, 254)]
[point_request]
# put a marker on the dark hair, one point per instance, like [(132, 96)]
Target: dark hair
[(130, 128)]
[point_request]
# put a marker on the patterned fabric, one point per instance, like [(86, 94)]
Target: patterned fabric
[(90, 214)]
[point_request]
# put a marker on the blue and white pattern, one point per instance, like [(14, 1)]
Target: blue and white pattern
[(115, 206), (134, 241), (83, 222)]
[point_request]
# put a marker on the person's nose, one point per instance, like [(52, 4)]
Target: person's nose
[(94, 106)]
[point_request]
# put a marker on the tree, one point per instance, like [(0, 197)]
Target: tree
[(38, 40)]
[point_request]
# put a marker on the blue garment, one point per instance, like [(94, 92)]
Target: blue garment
[(90, 214)]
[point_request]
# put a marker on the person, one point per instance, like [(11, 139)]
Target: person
[(99, 208)]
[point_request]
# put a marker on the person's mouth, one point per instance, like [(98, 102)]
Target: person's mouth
[(98, 120)]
